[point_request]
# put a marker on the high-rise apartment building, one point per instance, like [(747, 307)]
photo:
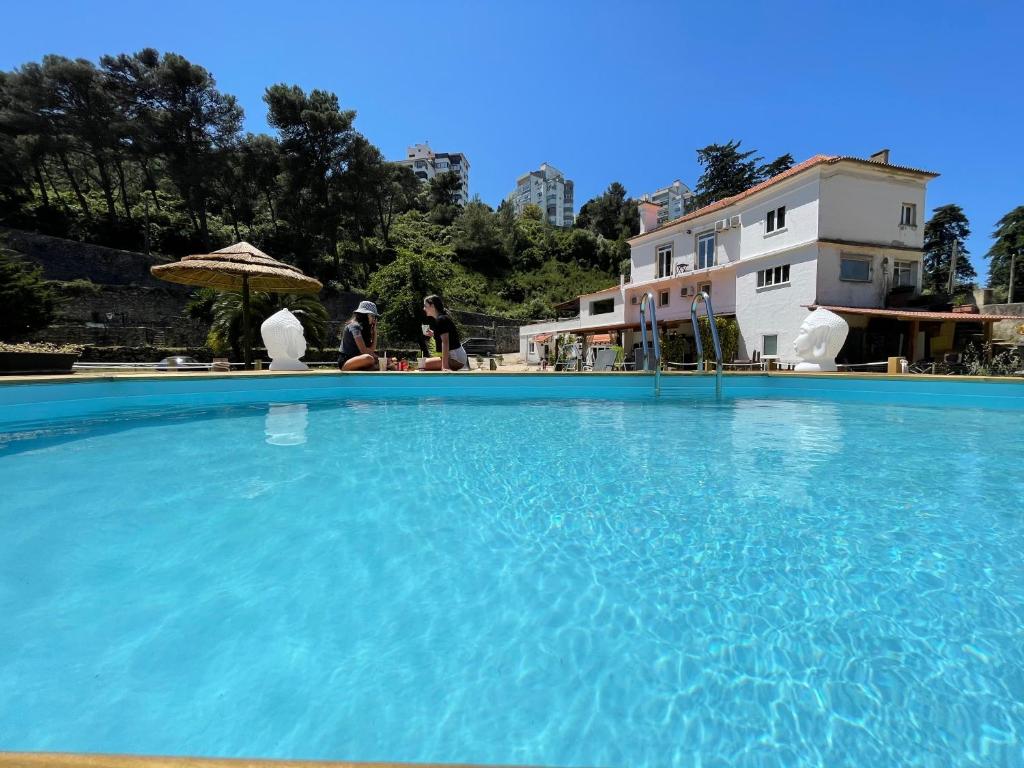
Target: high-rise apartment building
[(426, 164), (672, 201), (549, 190)]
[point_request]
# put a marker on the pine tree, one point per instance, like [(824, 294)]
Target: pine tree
[(1009, 241), (727, 171), (27, 302), (947, 225)]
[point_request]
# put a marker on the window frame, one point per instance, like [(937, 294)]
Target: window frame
[(775, 220), (659, 252), (773, 277), (702, 286), (602, 301), (911, 220), (664, 297), (764, 346), (532, 350), (900, 266), (869, 260), (705, 237)]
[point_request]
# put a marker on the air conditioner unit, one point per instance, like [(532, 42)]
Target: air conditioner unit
[(721, 224), (734, 221)]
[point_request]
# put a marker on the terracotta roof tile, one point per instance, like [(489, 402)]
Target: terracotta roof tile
[(812, 162)]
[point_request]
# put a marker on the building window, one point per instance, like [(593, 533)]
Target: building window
[(706, 250), (663, 299), (705, 287), (770, 345), (908, 215), (533, 348), (903, 274), (773, 276), (665, 260), (855, 269), (602, 307), (775, 220)]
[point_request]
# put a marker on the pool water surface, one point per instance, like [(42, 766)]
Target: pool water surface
[(682, 582)]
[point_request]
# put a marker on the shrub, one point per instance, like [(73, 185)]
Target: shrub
[(27, 301), (728, 336)]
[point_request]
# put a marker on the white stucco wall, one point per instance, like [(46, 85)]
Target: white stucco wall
[(723, 294), (864, 206), (587, 317), (801, 202), (776, 309)]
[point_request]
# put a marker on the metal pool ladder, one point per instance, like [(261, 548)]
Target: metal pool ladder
[(703, 296), (645, 302)]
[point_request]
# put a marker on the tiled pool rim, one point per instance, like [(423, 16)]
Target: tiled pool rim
[(74, 760), (41, 399)]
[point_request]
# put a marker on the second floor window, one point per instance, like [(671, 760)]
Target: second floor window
[(664, 260), (903, 274), (602, 307), (706, 250), (908, 215), (663, 299), (775, 219)]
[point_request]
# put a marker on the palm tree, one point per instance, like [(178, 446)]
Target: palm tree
[(226, 329)]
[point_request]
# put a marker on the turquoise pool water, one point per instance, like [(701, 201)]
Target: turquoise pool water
[(550, 573)]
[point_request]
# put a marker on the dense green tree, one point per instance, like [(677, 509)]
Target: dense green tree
[(612, 214), (728, 171), (315, 137), (444, 197), (948, 225), (1009, 242), (27, 302), (399, 289), (476, 238)]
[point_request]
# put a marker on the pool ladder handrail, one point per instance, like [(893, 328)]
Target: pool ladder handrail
[(703, 296), (648, 299)]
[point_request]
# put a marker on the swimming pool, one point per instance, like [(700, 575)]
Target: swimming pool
[(554, 570)]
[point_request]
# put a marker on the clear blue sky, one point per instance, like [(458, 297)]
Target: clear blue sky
[(610, 91)]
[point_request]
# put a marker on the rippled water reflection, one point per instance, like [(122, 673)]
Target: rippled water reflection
[(565, 583)]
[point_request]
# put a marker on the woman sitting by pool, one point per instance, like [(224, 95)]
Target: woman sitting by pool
[(359, 340), (446, 337)]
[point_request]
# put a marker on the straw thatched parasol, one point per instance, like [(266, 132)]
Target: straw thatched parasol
[(239, 267)]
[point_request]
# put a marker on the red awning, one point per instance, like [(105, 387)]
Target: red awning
[(542, 337), (600, 338)]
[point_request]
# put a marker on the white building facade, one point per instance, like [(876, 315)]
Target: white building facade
[(839, 231), (549, 190), (672, 201), (426, 164)]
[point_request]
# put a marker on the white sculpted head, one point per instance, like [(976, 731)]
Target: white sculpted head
[(285, 341), (821, 336)]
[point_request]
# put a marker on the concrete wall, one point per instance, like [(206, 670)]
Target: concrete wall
[(801, 202), (1012, 330)]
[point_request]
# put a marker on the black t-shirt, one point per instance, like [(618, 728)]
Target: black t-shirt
[(349, 348), (444, 324)]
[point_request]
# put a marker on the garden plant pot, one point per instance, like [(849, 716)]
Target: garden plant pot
[(12, 363)]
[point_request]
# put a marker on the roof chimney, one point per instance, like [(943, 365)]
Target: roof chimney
[(881, 156), (648, 215)]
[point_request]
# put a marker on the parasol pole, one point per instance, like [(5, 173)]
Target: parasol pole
[(246, 338)]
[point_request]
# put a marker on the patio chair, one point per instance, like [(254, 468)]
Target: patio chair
[(604, 361), (637, 363)]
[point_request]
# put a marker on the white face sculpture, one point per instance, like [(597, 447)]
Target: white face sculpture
[(283, 336), (820, 338)]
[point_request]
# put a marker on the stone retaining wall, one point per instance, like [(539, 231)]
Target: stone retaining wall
[(1012, 330)]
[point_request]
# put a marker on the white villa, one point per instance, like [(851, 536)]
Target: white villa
[(841, 232)]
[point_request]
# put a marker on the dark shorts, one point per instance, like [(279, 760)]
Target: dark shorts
[(342, 359)]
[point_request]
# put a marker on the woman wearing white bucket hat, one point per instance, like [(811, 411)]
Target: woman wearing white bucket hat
[(359, 340)]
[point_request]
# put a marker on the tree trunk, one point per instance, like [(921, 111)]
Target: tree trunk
[(74, 185), (124, 191), (41, 183), (108, 190), (56, 192), (150, 182)]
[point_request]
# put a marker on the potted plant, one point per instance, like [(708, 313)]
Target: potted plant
[(36, 358), (961, 306)]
